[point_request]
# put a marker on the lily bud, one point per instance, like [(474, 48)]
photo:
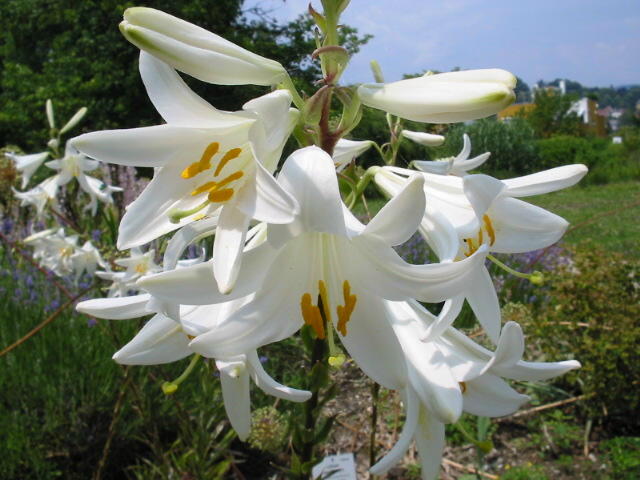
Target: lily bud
[(73, 121), (423, 138), (196, 51), (50, 116), (445, 97)]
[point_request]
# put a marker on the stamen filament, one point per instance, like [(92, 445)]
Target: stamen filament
[(537, 278), (176, 215), (170, 387)]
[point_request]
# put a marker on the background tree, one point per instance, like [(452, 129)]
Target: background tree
[(74, 53), (551, 115)]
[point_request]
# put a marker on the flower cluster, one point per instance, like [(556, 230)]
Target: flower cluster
[(287, 250), (68, 165)]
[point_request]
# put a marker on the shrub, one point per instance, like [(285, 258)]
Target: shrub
[(607, 162), (512, 145), (593, 315)]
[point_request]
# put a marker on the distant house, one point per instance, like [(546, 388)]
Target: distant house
[(515, 110), (613, 116), (587, 110)]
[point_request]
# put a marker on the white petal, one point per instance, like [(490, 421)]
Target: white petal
[(347, 150), (173, 99), (384, 273), (116, 308), (268, 385), (430, 376), (186, 236), (423, 138), (483, 300), (536, 371), (309, 175), (265, 200), (147, 218), (430, 442), (274, 313), (438, 167), (404, 441), (371, 342), (490, 396), (196, 285), (161, 340), (399, 219), (440, 235), (482, 191), (146, 146), (228, 245), (463, 166), (546, 181), (234, 378), (510, 347), (450, 311), (522, 227)]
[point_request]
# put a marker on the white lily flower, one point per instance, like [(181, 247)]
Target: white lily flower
[(464, 213), (458, 165), (164, 340), (53, 249), (138, 264), (39, 196), (196, 51), (100, 191), (86, 259), (75, 165), (27, 164), (207, 163), (444, 97), (450, 375), (325, 253), (346, 151), (423, 138)]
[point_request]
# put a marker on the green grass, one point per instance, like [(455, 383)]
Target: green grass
[(604, 215)]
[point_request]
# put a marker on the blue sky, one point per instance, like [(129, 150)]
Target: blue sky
[(594, 42)]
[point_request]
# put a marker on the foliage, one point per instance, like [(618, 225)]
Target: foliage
[(607, 162), (623, 454), (512, 146), (76, 55), (592, 315), (529, 472), (551, 115)]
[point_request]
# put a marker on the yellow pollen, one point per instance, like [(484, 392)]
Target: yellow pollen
[(220, 196), (200, 217), (489, 226), (204, 163), (345, 311), (311, 315), (471, 246), (141, 268), (480, 237), (230, 155), (463, 387), (214, 186)]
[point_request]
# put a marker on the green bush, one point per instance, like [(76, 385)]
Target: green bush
[(512, 145), (623, 457), (593, 315), (607, 162)]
